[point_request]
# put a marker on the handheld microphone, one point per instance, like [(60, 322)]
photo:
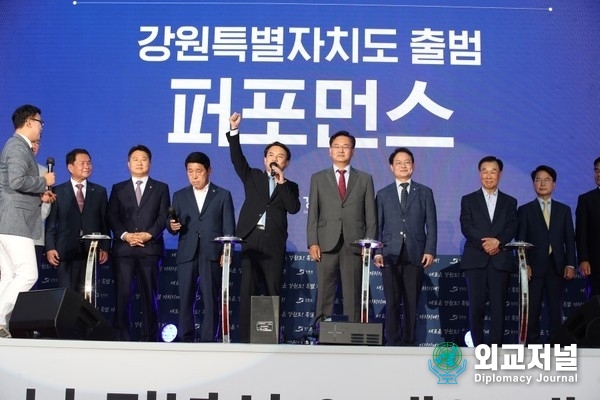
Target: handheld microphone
[(173, 215), (50, 166), (271, 166)]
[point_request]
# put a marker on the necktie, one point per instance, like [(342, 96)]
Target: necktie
[(263, 218), (490, 205), (342, 183), (403, 195), (546, 212), (138, 191), (79, 196), (271, 185)]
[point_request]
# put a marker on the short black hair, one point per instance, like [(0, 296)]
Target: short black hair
[(596, 161), (342, 133), (197, 157), (72, 155), (401, 150), (140, 147), (288, 153), (544, 168), (491, 159), (23, 113)]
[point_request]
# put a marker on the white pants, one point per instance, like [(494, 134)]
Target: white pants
[(18, 271)]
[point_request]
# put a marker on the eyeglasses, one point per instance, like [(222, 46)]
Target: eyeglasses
[(338, 147), (41, 121), (545, 180)]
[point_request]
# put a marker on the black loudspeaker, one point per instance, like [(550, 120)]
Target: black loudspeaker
[(331, 332), (582, 328), (57, 313), (264, 320)]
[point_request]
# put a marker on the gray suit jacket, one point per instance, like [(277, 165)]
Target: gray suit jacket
[(20, 189), (45, 211), (328, 215), (418, 223)]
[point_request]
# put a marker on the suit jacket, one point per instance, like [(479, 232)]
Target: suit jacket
[(475, 224), (587, 228), (418, 222), (20, 189), (66, 224), (124, 215), (329, 215), (45, 209), (200, 227), (285, 198), (561, 235)]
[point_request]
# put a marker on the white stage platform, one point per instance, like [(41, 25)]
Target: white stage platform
[(36, 369)]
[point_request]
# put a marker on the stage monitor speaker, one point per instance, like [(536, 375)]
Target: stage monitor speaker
[(264, 320), (581, 328), (331, 332), (57, 313)]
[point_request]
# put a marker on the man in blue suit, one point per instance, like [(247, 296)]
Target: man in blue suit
[(407, 226), (488, 220), (137, 213), (80, 209), (200, 212), (548, 225)]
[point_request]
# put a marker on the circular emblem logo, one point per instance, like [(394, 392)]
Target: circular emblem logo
[(447, 356)]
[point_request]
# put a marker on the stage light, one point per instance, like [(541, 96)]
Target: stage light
[(468, 339), (168, 333)]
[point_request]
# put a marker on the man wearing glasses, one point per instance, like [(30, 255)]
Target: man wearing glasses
[(341, 210), (548, 225), (22, 191)]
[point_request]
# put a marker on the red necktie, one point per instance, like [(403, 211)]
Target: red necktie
[(79, 196), (342, 183)]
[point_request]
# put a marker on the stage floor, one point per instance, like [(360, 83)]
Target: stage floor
[(38, 369)]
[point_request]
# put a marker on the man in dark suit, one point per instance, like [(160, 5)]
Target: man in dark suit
[(262, 222), (137, 214), (407, 227), (488, 220), (341, 210), (587, 231), (80, 209), (22, 190), (548, 225), (202, 212)]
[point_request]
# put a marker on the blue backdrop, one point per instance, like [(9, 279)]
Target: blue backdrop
[(453, 80)]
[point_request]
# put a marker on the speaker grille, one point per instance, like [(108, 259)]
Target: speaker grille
[(350, 333), (57, 313)]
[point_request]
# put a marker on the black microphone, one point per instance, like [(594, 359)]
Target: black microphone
[(173, 215), (271, 166), (50, 166)]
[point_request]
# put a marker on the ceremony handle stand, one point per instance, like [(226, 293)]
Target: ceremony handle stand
[(89, 288), (523, 286), (367, 245), (227, 242)]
